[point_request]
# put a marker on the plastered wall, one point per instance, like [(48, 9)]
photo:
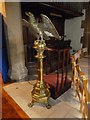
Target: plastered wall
[(74, 32)]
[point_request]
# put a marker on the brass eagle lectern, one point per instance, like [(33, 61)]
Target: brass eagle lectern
[(40, 93)]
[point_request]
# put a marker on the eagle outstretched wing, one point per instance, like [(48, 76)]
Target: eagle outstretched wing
[(48, 28), (44, 29)]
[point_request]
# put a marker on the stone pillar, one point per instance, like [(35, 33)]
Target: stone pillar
[(17, 70)]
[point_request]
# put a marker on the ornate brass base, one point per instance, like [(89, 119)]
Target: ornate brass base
[(40, 94)]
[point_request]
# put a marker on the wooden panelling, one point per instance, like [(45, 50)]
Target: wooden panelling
[(66, 9), (10, 109)]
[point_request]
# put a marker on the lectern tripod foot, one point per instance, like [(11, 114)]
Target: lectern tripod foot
[(48, 106), (30, 104)]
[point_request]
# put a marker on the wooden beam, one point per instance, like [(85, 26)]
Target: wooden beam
[(65, 10)]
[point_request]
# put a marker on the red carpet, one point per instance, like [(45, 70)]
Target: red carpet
[(57, 89), (51, 79)]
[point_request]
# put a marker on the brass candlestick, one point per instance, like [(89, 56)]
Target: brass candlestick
[(40, 91)]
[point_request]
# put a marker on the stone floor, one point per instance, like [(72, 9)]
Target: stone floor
[(66, 106)]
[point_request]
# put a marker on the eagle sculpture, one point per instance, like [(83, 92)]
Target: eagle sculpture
[(43, 29)]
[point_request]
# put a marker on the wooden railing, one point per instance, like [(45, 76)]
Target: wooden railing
[(81, 83)]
